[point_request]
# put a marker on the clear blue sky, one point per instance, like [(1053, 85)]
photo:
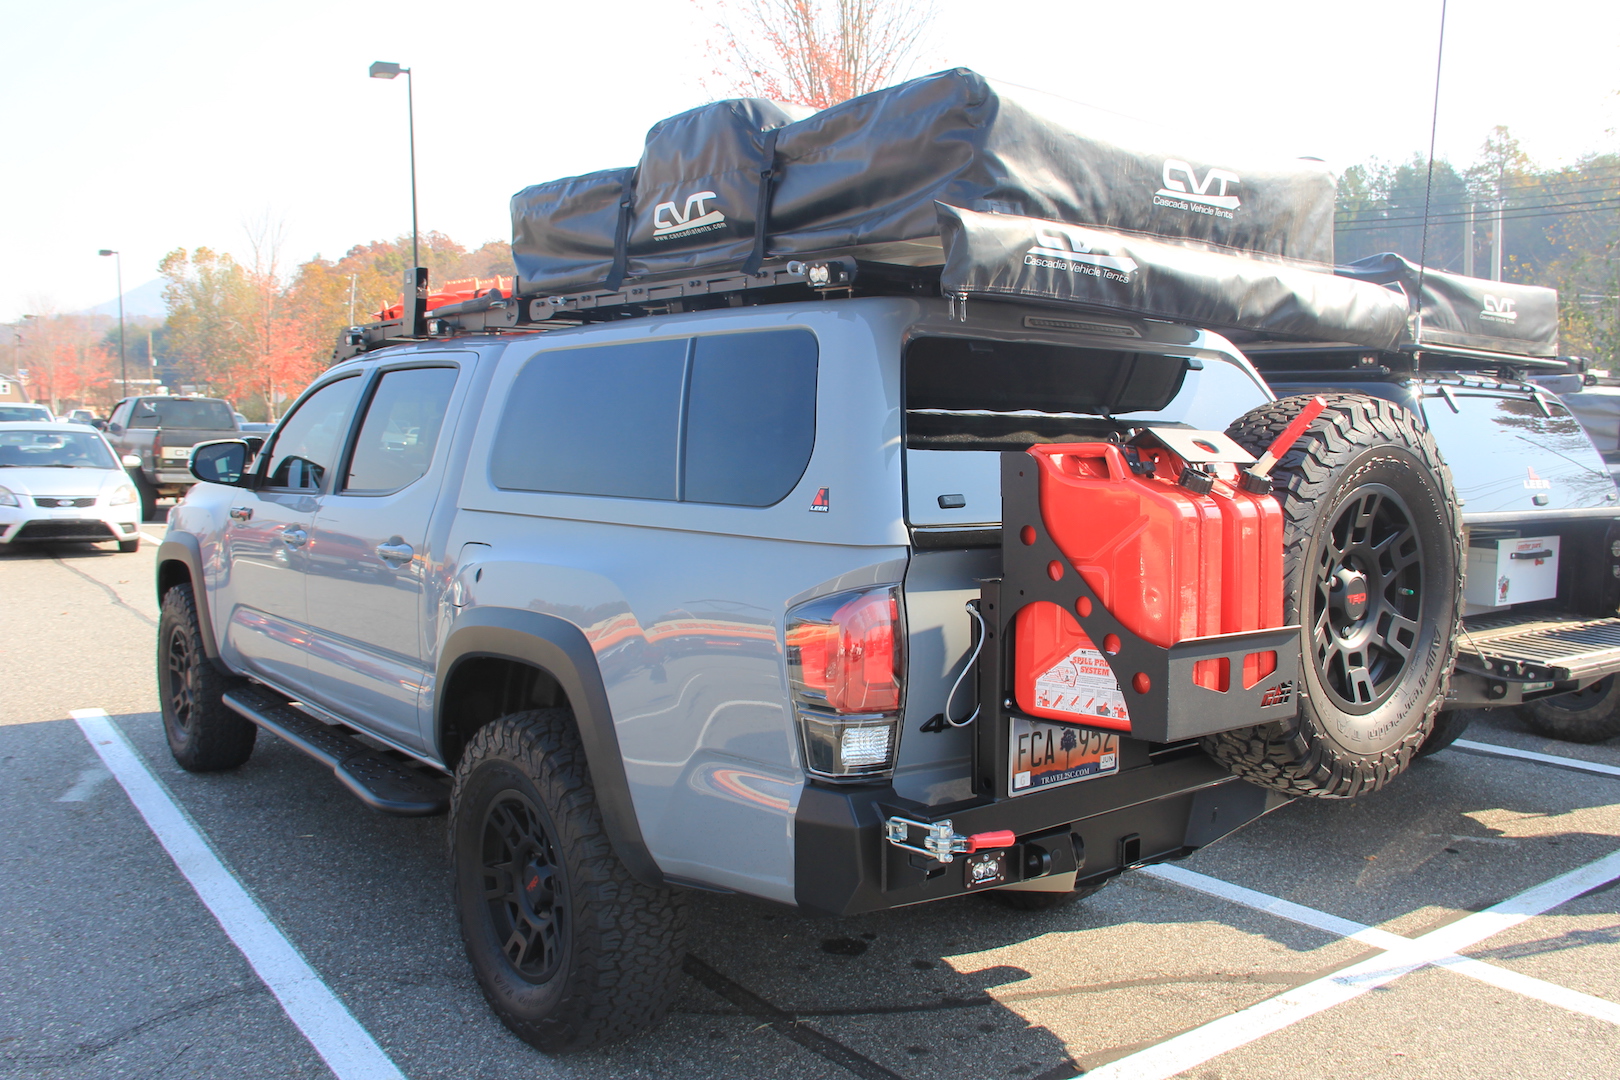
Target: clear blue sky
[(167, 123)]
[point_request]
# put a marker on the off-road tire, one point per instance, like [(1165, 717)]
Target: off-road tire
[(1033, 900), (1351, 737), (1448, 728), (1586, 716), (128, 547), (204, 734), (148, 495), (618, 944)]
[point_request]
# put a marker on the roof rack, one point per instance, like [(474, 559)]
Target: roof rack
[(496, 313)]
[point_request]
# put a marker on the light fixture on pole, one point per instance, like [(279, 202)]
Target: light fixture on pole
[(383, 69), (123, 373)]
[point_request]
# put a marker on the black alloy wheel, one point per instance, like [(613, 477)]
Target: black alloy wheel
[(569, 948), (526, 885), (1369, 599), (1372, 572), (205, 735)]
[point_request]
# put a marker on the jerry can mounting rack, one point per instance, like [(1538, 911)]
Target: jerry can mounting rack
[(1163, 702)]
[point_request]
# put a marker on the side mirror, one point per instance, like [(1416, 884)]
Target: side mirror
[(221, 462), (131, 461), (255, 443), (116, 429)]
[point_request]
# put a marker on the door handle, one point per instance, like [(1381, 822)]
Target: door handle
[(395, 553), (242, 513), (294, 537)]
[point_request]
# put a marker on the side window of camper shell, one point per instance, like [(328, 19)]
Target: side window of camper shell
[(723, 418)]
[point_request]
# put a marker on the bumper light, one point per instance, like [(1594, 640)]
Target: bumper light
[(848, 747)]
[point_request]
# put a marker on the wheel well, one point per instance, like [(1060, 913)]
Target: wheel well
[(485, 688), (172, 573)]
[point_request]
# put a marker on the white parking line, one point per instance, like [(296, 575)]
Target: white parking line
[(346, 1047), (153, 539), (1531, 755), (1503, 978), (1201, 1044)]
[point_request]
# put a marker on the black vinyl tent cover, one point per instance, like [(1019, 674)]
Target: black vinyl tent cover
[(731, 184), (1452, 311)]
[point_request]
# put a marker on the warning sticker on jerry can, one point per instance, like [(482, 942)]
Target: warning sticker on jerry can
[(1081, 683)]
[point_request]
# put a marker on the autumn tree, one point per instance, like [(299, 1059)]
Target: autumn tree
[(67, 362), (210, 299), (814, 52)]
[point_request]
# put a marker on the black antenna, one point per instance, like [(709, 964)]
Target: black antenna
[(1428, 186)]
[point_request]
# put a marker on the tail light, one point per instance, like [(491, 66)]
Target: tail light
[(845, 666), (157, 448)]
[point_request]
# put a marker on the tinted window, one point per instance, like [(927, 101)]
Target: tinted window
[(600, 421), (401, 428), (198, 414), (307, 446), (751, 416)]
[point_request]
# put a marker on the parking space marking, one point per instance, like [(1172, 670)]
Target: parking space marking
[(1201, 1044), (1531, 755), (154, 539), (346, 1047), (1500, 977)]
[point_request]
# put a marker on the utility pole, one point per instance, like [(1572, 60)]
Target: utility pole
[(352, 279), (1468, 243), (1496, 240), (123, 371)]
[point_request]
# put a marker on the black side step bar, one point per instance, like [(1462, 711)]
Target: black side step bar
[(377, 778)]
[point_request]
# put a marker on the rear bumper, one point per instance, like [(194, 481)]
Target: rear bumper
[(1160, 810)]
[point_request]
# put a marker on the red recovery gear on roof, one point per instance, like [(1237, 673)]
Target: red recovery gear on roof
[(454, 292)]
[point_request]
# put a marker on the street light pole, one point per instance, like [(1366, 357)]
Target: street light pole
[(383, 69), (123, 372)]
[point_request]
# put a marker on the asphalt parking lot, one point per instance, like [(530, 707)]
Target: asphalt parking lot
[(1463, 923)]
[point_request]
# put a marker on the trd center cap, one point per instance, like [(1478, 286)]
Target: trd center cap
[(1350, 594), (537, 884)]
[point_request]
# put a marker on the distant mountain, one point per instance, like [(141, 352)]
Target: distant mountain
[(143, 301)]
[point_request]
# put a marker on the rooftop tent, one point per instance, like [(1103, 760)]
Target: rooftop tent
[(1450, 310), (999, 256), (861, 178)]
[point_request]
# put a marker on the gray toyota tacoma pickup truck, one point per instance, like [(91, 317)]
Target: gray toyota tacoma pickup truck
[(692, 563)]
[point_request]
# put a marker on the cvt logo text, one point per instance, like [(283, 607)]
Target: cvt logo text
[(670, 220), (1499, 309), (1058, 248), (1183, 190)]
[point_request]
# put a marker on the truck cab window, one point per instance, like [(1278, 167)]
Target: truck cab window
[(400, 430), (307, 446)]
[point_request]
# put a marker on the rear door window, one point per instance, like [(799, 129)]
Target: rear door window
[(401, 428)]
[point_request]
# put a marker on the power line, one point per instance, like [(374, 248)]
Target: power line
[(1407, 223), (1521, 199)]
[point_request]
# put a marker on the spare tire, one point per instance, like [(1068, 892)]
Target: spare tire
[(1372, 572)]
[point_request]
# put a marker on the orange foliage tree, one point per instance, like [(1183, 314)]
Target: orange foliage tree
[(814, 52)]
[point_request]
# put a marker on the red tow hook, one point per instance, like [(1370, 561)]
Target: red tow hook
[(986, 841)]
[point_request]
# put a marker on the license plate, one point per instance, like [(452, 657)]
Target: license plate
[(1047, 755)]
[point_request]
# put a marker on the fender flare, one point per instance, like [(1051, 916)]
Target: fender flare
[(184, 548), (558, 647)]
